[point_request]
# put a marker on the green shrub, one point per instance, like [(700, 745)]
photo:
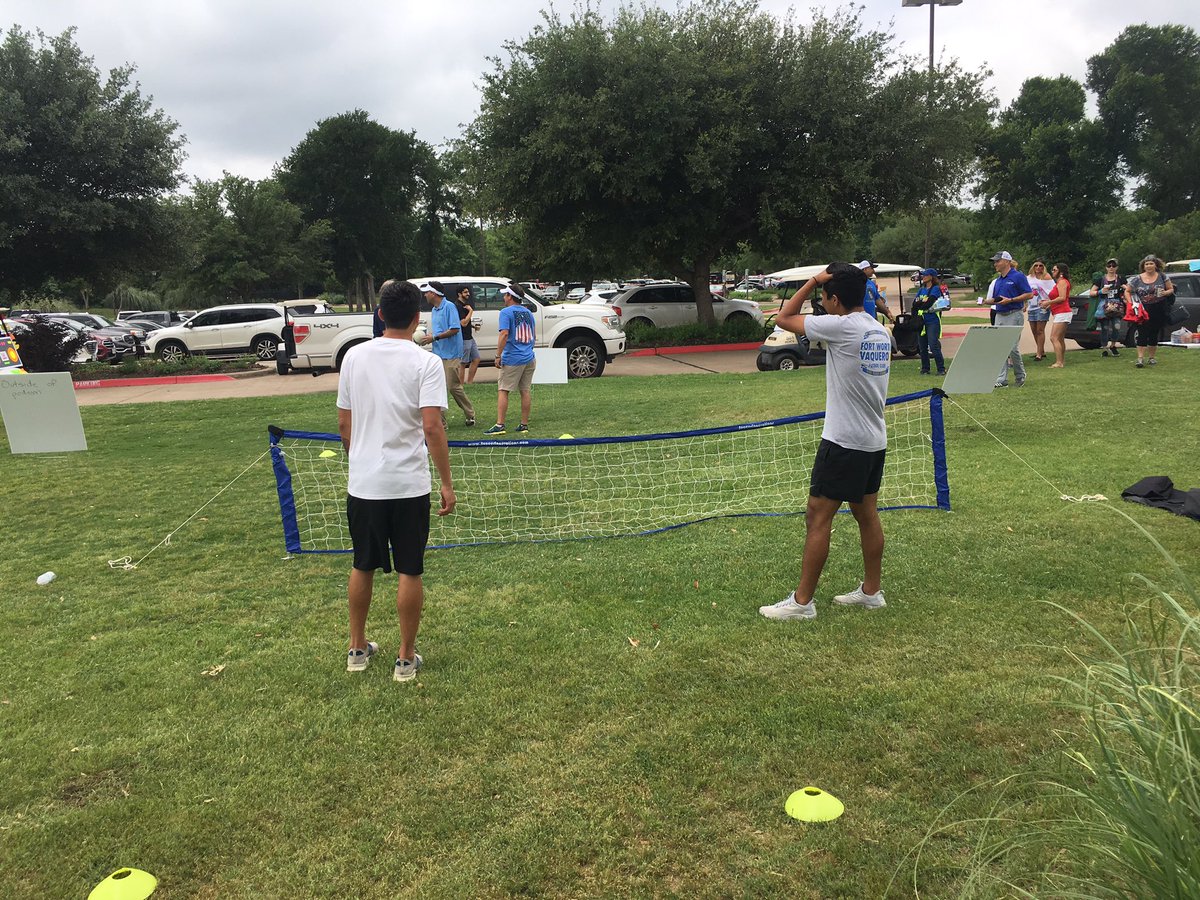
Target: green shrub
[(735, 332), (149, 367), (47, 346)]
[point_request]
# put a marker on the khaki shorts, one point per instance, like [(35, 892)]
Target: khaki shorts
[(517, 378)]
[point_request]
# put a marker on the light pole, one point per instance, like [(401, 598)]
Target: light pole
[(932, 4)]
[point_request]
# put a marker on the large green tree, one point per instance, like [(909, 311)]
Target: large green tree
[(84, 162), (666, 138), (245, 236), (1047, 171), (1147, 84), (902, 238), (365, 179)]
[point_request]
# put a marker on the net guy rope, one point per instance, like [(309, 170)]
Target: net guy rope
[(550, 490)]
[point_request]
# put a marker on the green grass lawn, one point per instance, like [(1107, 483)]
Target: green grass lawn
[(542, 752)]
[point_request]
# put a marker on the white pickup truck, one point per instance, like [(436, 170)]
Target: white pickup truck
[(591, 334)]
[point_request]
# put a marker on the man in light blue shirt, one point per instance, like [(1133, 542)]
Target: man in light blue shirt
[(445, 334)]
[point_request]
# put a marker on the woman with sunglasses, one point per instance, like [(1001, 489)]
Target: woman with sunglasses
[(1109, 288), (1042, 284)]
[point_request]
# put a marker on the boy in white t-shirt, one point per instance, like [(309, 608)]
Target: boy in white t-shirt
[(849, 463), (391, 399)]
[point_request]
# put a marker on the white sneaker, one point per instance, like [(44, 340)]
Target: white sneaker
[(357, 660), (407, 669), (788, 608), (857, 598)]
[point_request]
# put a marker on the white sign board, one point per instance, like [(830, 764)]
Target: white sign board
[(979, 358), (40, 413), (551, 365)]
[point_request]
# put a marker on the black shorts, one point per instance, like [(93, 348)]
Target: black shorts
[(376, 525), (848, 475)]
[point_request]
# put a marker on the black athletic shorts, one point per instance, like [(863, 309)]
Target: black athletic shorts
[(848, 475), (376, 525)]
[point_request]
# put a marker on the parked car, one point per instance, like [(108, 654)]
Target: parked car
[(591, 334), (603, 298), (673, 303), (235, 330), (163, 317), (749, 286), (1187, 298)]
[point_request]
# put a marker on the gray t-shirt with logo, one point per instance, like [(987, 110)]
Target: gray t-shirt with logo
[(858, 361)]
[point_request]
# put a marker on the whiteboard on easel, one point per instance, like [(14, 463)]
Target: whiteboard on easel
[(980, 358), (40, 413), (551, 365)]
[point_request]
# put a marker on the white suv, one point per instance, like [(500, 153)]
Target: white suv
[(592, 335), (237, 330), (662, 305)]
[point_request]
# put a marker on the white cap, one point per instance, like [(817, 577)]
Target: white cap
[(1003, 254), (865, 264)]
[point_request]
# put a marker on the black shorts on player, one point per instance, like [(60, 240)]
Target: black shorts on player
[(401, 525), (846, 475)]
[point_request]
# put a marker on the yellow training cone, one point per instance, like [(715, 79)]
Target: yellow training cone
[(328, 454), (812, 804), (125, 884), (566, 437)]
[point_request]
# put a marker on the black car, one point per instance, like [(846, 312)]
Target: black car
[(1187, 298)]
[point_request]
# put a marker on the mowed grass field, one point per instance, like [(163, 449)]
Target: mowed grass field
[(542, 753)]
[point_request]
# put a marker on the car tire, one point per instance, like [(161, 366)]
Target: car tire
[(639, 322), (265, 347), (585, 357), (738, 318), (342, 354), (787, 362), (172, 351)]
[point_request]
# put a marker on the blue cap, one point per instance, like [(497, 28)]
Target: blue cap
[(931, 272)]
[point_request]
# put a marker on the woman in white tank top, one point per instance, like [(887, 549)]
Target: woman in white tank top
[(1042, 284)]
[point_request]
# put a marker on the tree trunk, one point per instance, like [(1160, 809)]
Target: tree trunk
[(702, 292), (370, 298), (354, 297)]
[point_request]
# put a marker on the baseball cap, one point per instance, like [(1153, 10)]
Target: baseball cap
[(1111, 262), (931, 272), (433, 287), (865, 264), (1003, 254)]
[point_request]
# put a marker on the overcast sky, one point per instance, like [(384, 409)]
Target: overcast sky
[(246, 80)]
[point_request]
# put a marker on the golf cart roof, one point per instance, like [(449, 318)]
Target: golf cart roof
[(803, 273), (1189, 265)]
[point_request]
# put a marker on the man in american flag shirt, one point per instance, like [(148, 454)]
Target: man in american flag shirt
[(514, 357)]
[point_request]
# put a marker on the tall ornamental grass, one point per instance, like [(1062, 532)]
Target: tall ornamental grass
[(1120, 812)]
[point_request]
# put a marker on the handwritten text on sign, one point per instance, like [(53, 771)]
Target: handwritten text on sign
[(40, 413)]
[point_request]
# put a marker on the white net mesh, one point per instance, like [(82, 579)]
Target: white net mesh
[(558, 490)]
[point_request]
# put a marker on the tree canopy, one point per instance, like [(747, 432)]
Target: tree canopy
[(1047, 172), (244, 237), (1147, 84), (365, 179), (667, 138), (83, 163)]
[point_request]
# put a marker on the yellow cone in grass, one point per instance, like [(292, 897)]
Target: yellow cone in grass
[(125, 884), (812, 804), (566, 437), (328, 454)]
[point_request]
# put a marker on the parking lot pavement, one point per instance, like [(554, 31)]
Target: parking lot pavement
[(271, 385)]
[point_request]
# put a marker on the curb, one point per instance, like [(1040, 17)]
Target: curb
[(151, 381), (698, 348)]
